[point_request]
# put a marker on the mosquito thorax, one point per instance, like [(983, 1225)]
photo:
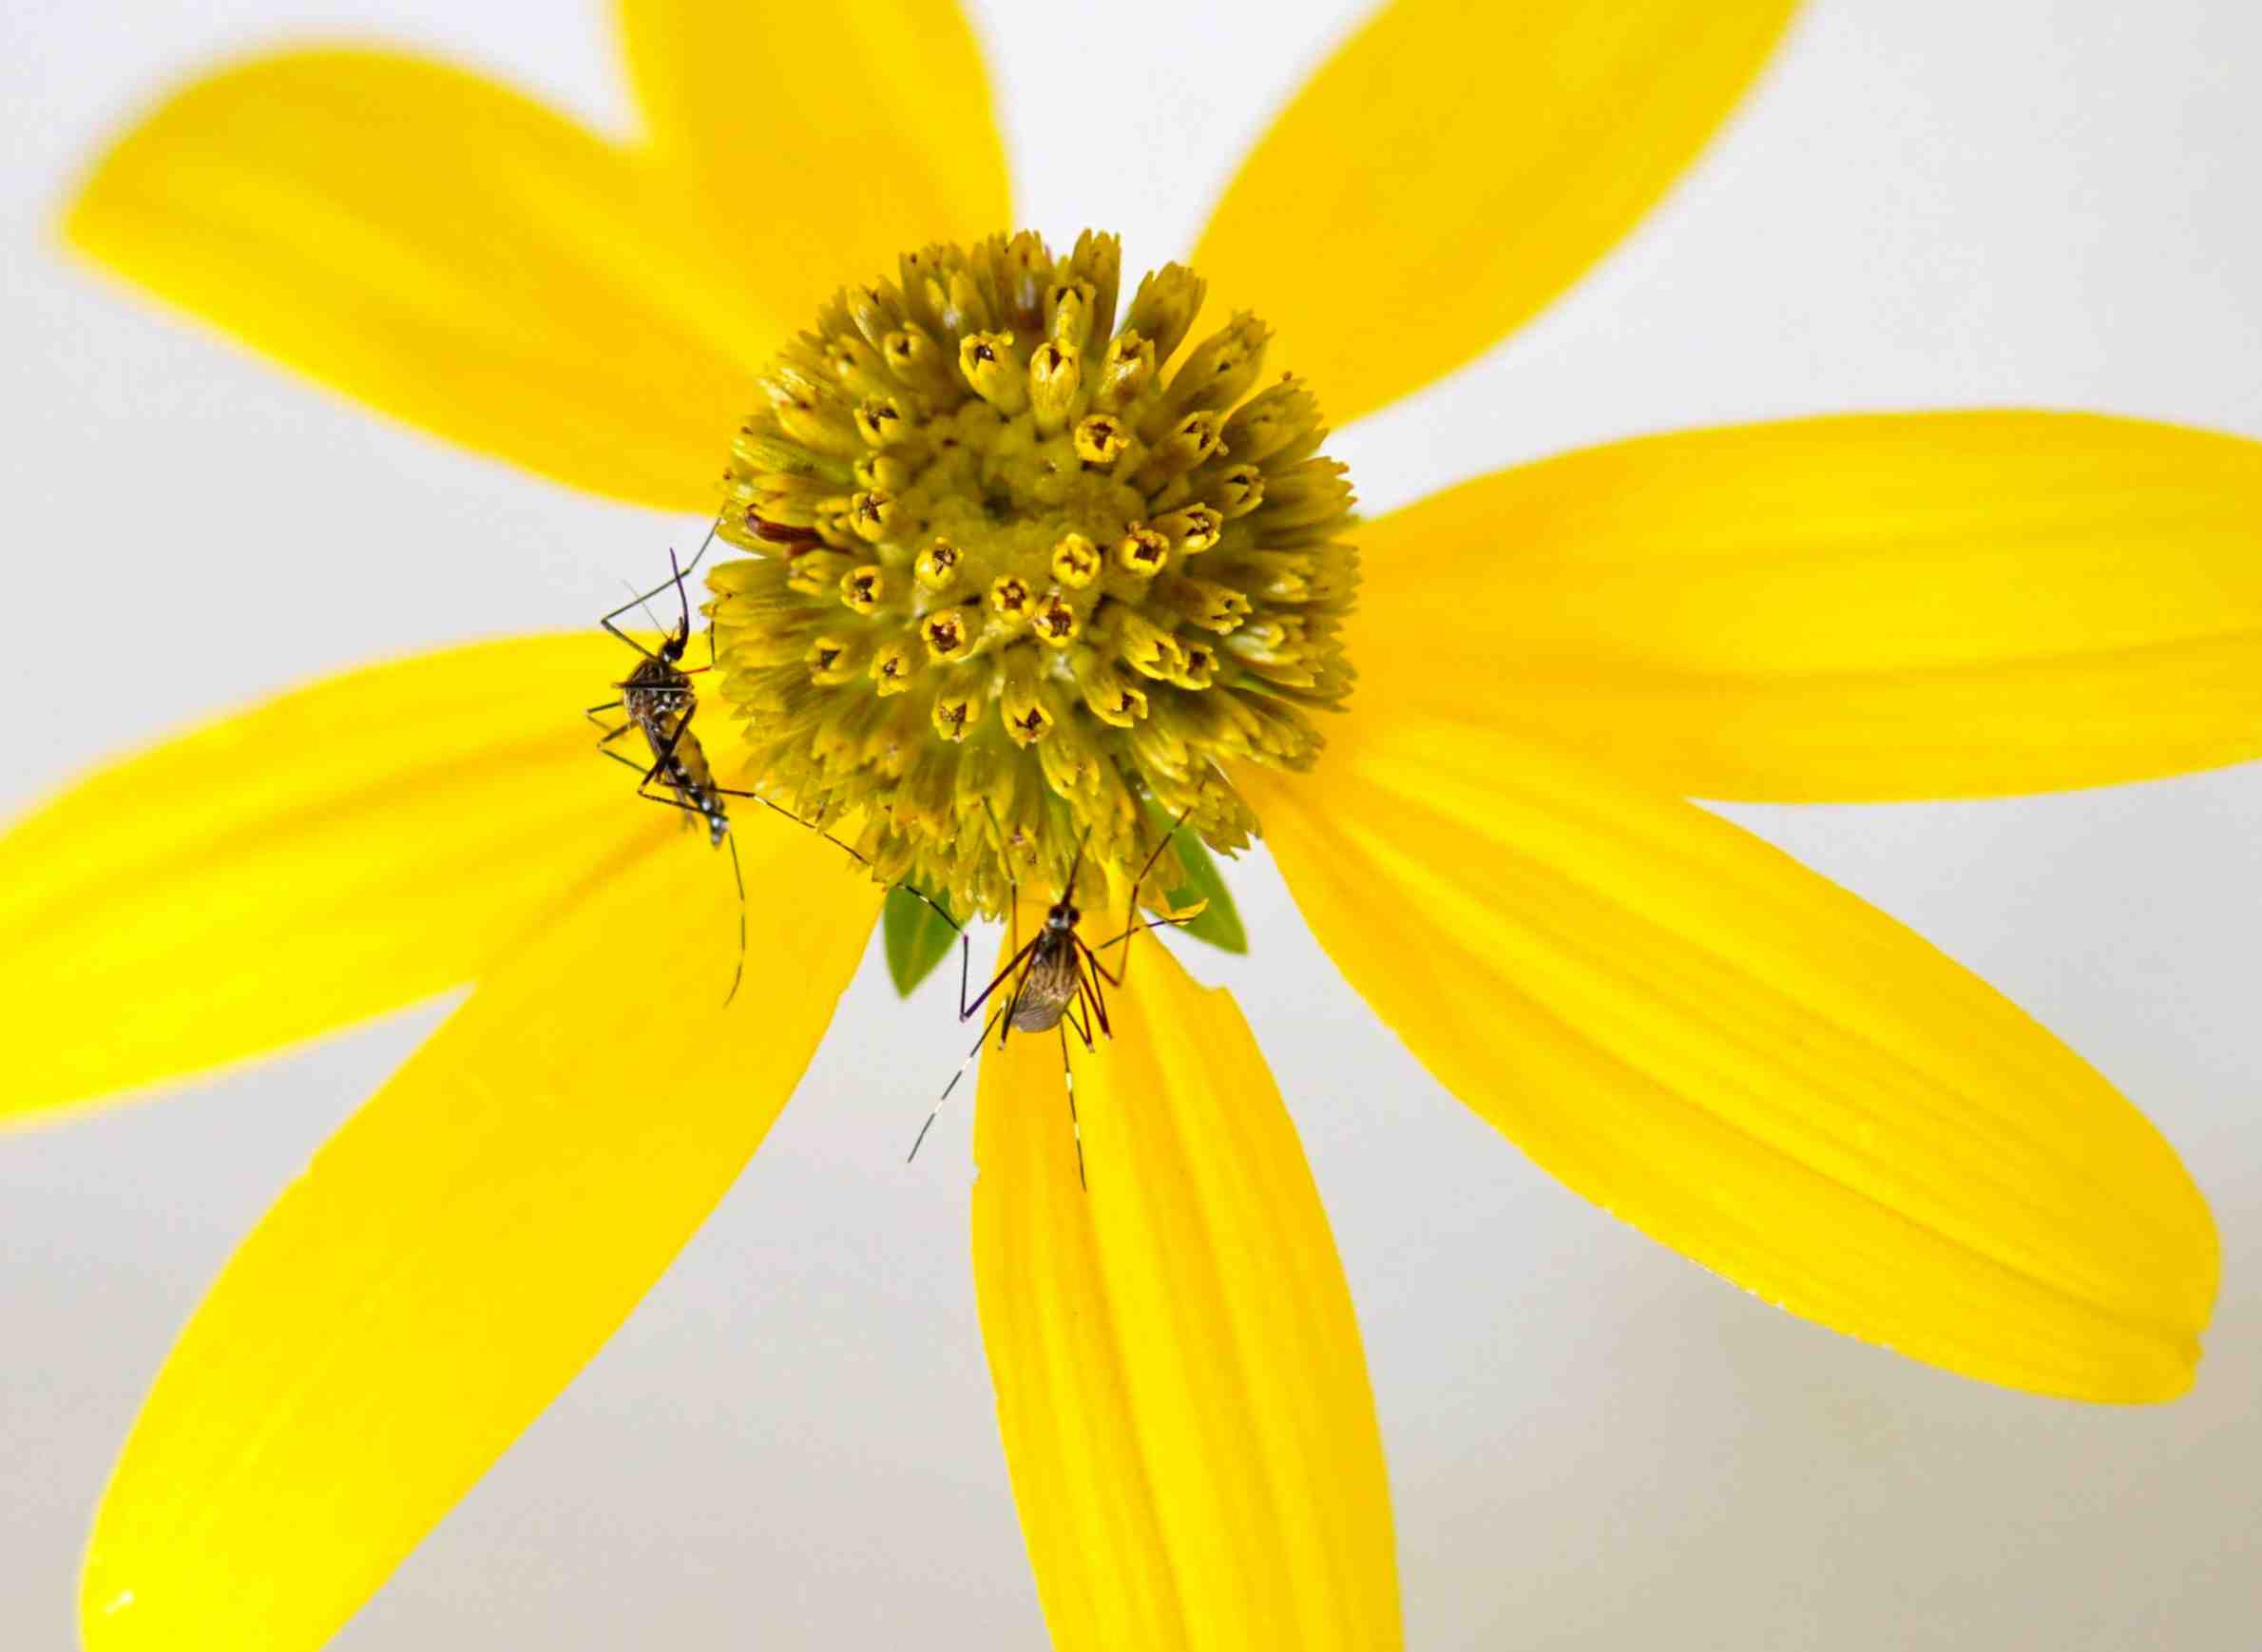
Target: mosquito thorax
[(1014, 565)]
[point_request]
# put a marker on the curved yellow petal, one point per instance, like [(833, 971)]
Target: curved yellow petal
[(1180, 1381), (333, 853), (1459, 163), (1917, 606), (447, 251), (464, 1245), (1747, 1062), (825, 139)]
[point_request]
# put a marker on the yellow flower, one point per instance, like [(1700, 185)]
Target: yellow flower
[(1680, 1023)]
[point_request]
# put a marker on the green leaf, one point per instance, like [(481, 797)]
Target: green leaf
[(1220, 925), (916, 937)]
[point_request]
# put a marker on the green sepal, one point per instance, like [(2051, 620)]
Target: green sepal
[(1219, 924), (916, 938)]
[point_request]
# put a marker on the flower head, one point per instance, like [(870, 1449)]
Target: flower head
[(1084, 563)]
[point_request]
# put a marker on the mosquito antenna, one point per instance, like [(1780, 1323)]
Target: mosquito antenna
[(1012, 884), (682, 597), (1069, 894), (680, 574)]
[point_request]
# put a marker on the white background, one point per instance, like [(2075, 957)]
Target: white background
[(1928, 202)]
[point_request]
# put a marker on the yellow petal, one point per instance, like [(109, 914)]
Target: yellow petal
[(826, 139), (1925, 606), (464, 1245), (1747, 1062), (1180, 1381), (335, 852), (447, 251), (1458, 164)]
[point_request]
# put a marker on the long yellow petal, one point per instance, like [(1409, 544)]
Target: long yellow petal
[(331, 853), (464, 1245), (1921, 606), (825, 139), (1458, 164), (447, 251), (1747, 1062), (1180, 1381)]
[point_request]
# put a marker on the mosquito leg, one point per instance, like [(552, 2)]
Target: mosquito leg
[(1084, 1001), (1089, 981), (1014, 1002), (710, 618), (699, 555), (676, 578), (966, 953), (812, 826), (638, 601), (608, 623), (952, 1085), (644, 791), (846, 849), (672, 803), (910, 889), (1131, 915), (1142, 924), (1012, 887), (967, 1010), (737, 975), (644, 785), (666, 753), (1075, 1125)]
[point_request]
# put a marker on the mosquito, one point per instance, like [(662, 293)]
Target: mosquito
[(658, 691), (657, 699), (1055, 982)]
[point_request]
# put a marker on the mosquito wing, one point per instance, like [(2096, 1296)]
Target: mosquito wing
[(1049, 985)]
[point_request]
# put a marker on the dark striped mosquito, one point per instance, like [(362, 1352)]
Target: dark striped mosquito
[(1055, 982), (657, 699)]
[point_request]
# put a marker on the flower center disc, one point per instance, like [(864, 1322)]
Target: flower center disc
[(1014, 578)]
